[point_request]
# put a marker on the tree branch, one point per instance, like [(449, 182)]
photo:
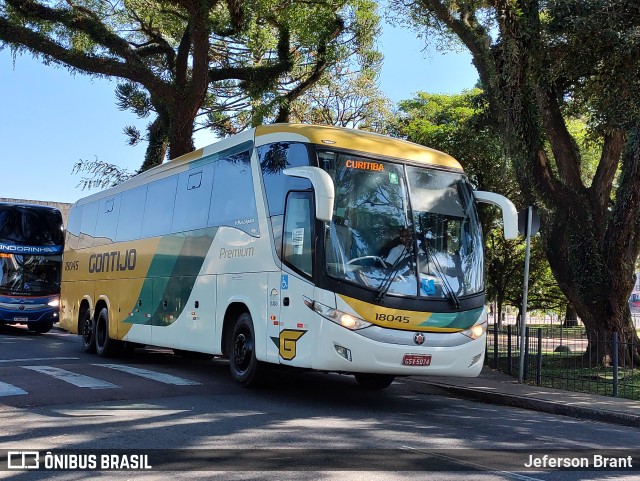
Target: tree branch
[(602, 183), (564, 149)]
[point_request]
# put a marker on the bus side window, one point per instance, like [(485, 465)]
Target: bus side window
[(107, 221), (193, 196), (298, 236), (73, 228), (233, 199), (274, 158), (131, 210), (88, 224), (158, 210)]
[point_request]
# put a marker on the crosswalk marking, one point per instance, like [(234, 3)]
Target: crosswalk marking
[(10, 390), (79, 380), (155, 376), (30, 359)]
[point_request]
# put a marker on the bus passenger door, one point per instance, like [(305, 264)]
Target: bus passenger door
[(296, 333)]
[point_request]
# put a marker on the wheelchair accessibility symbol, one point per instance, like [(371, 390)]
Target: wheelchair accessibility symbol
[(284, 282)]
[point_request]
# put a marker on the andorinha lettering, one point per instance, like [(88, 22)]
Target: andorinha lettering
[(363, 165), (113, 261), (29, 249)]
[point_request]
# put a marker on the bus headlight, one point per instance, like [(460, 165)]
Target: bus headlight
[(341, 318), (54, 302), (476, 331)]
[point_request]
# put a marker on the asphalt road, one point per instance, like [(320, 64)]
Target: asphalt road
[(55, 397)]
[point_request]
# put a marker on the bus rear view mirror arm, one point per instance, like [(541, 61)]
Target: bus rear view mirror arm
[(324, 191), (509, 212)]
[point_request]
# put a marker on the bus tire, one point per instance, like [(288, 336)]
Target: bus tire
[(87, 330), (105, 346), (374, 381), (41, 327), (245, 367)]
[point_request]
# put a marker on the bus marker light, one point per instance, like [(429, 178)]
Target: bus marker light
[(343, 351), (299, 325), (475, 359)]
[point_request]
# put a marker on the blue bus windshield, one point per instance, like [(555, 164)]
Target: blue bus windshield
[(31, 244)]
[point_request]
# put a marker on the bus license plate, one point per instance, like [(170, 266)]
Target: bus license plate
[(20, 319), (416, 359)]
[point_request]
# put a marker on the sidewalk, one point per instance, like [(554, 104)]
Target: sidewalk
[(494, 387)]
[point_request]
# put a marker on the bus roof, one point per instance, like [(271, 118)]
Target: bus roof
[(362, 141), (326, 135)]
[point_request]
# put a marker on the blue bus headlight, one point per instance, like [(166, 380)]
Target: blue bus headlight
[(55, 302)]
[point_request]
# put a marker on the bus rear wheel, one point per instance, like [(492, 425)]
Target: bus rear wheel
[(105, 346), (374, 381), (88, 332), (243, 363)]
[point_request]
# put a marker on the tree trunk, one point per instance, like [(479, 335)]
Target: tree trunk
[(596, 283), (181, 132), (570, 316), (599, 351), (158, 143)]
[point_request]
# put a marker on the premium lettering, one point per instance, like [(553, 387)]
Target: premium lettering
[(234, 253), (115, 261)]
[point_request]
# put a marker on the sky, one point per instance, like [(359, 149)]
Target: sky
[(51, 119)]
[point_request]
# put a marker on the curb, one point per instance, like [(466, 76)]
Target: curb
[(541, 405)]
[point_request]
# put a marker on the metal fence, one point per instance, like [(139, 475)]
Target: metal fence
[(555, 357)]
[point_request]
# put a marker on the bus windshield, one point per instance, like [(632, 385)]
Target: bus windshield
[(29, 275), (31, 244), (404, 230), (22, 225)]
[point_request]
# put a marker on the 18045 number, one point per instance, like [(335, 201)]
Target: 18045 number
[(392, 318)]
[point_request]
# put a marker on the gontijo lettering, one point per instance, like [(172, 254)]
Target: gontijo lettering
[(113, 261), (362, 165)]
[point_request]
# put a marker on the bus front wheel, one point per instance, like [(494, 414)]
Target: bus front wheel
[(374, 381), (88, 332), (105, 346), (245, 367)]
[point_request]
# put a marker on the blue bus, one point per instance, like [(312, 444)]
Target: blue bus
[(31, 245)]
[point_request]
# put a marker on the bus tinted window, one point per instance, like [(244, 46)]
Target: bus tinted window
[(192, 199), (24, 225), (274, 158), (88, 224), (131, 212), (107, 220), (158, 211), (233, 201), (73, 227)]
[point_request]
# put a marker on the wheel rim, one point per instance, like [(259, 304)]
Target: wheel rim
[(243, 350), (87, 331)]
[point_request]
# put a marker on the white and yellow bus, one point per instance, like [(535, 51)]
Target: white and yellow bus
[(307, 246)]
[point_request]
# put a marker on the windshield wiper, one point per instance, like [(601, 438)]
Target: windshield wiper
[(432, 258), (385, 285)]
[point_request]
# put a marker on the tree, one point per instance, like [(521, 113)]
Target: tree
[(177, 59), (459, 125), (541, 62), (346, 98)]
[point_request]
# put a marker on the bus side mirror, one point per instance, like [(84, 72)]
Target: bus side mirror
[(323, 189), (509, 212)]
